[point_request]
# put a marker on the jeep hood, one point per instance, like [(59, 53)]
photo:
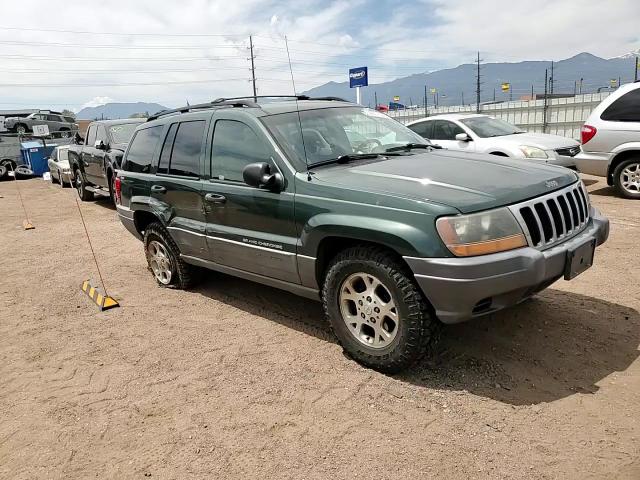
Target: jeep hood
[(468, 182)]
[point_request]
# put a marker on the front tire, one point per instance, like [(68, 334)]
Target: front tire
[(163, 258), (626, 178), (21, 129), (81, 186), (376, 310)]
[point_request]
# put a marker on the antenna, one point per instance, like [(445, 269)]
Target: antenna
[(304, 148)]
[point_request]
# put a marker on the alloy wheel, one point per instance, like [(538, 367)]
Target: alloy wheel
[(369, 310), (630, 178), (159, 262)]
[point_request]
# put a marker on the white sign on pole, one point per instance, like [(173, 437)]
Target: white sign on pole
[(41, 130)]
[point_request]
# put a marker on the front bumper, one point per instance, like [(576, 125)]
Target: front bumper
[(462, 288), (593, 163), (563, 161)]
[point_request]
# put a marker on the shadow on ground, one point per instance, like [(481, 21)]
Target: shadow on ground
[(604, 192), (553, 346)]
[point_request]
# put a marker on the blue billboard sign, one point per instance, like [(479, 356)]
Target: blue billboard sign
[(358, 77)]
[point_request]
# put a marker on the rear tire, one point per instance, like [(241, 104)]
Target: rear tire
[(388, 342), (163, 258), (81, 186), (626, 178)]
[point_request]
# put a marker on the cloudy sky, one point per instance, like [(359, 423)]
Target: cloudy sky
[(73, 54)]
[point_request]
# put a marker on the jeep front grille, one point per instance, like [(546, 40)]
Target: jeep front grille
[(554, 217)]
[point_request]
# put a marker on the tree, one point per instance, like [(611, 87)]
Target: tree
[(68, 113)]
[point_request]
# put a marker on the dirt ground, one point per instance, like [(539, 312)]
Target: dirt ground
[(236, 380)]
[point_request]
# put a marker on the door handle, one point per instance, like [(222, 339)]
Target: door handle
[(158, 189), (215, 198)]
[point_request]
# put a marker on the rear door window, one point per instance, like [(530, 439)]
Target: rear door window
[(140, 153), (424, 129), (235, 145), (182, 149), (624, 109)]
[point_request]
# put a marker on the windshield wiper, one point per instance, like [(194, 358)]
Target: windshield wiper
[(409, 146), (346, 158)]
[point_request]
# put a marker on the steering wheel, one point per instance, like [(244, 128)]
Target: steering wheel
[(368, 145)]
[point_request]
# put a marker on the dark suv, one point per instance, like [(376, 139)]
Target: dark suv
[(333, 201)]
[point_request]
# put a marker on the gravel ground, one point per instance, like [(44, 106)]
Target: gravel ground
[(236, 380)]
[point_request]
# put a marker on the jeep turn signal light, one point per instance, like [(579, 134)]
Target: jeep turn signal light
[(481, 233)]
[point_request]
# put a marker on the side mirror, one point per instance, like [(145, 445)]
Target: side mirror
[(259, 175), (100, 145), (463, 137)]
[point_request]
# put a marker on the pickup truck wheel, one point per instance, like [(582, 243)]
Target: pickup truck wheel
[(376, 310), (21, 129), (81, 186), (163, 257), (626, 178), (65, 133)]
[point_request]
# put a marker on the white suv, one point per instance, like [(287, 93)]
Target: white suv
[(611, 141)]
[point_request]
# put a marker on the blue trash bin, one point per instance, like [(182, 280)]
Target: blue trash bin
[(35, 155)]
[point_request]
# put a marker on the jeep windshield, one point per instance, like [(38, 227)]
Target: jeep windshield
[(122, 133), (338, 133)]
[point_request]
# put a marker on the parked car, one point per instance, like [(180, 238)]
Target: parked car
[(94, 162), (611, 141), (59, 167), (391, 235), (60, 125), (486, 134)]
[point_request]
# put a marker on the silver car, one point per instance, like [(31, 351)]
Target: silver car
[(485, 134), (611, 141), (59, 166)]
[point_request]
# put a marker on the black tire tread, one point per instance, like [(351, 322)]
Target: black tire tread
[(424, 328), (86, 195), (186, 275)]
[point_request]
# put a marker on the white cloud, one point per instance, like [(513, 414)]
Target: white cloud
[(97, 101)]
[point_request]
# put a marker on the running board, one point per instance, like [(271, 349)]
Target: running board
[(98, 191), (294, 288)]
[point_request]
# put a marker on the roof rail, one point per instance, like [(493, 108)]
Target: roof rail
[(236, 102)]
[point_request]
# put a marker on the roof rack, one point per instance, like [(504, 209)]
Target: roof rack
[(236, 102)]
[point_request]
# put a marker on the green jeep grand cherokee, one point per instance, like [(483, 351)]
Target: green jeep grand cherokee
[(332, 201)]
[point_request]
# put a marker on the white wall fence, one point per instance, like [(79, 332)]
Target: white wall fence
[(565, 116)]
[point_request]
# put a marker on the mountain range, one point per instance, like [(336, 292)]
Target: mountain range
[(118, 110), (454, 84)]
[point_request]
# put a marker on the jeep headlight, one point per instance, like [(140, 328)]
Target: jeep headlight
[(533, 152), (481, 233)]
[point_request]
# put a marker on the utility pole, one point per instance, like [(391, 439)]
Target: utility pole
[(375, 96), (635, 75), (463, 97), (494, 94), (253, 70), (575, 87), (426, 99), (580, 86), (532, 94), (546, 105), (551, 80), (619, 80), (478, 85)]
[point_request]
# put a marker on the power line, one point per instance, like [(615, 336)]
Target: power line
[(119, 47), (128, 34)]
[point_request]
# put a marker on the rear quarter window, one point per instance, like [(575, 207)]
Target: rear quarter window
[(140, 154), (624, 109)]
